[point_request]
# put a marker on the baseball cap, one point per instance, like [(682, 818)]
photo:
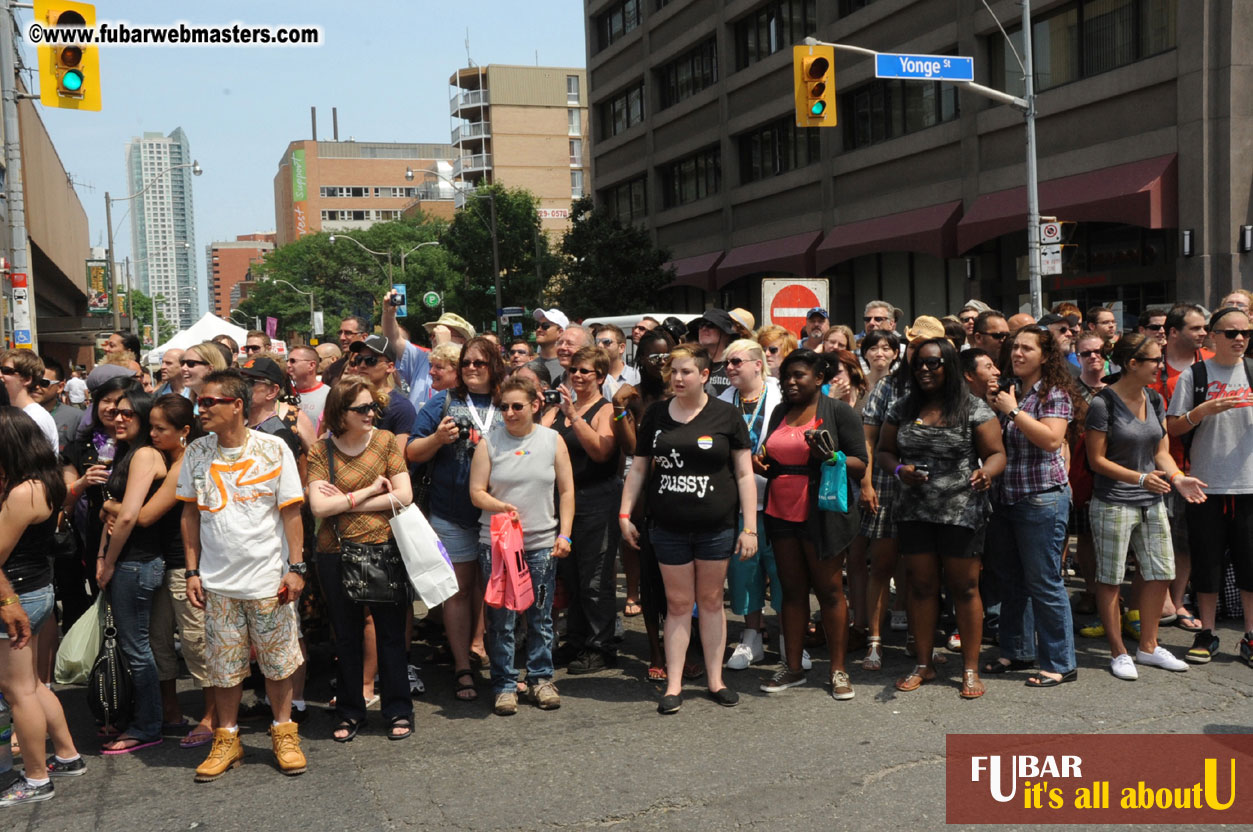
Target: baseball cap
[(719, 318), (1050, 318), (377, 344), (817, 310), (554, 316), (744, 318), (262, 368)]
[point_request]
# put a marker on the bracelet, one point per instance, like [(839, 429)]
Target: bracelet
[(10, 601), (621, 416), (352, 501), (566, 538), (747, 532), (624, 517), (897, 472), (1143, 477), (1187, 415), (1177, 474)]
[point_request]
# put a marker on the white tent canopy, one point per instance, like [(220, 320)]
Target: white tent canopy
[(204, 330)]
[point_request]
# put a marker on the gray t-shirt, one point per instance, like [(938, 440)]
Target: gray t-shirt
[(313, 402), (1222, 448), (1129, 442), (524, 474)]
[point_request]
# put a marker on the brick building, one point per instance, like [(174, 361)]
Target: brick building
[(227, 264)]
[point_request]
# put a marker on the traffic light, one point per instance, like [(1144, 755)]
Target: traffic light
[(813, 70), (69, 74)]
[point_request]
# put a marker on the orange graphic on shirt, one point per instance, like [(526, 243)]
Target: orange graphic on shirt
[(218, 469)]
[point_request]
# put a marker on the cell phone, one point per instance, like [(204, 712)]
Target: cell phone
[(282, 594), (552, 397), (1007, 382), (924, 470)]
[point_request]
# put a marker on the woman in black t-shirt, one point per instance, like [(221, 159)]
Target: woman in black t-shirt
[(702, 476)]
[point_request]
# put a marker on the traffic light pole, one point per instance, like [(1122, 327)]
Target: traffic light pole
[(13, 162)]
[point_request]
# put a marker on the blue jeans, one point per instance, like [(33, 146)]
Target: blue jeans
[(539, 624), (131, 592), (1025, 543)]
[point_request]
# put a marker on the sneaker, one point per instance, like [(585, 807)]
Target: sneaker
[(589, 661), (1094, 630), (23, 792), (670, 704), (1123, 667), (545, 695), (806, 662), (285, 740), (416, 686), (226, 753), (73, 768), (1161, 657), (1131, 624), (1204, 646), (841, 687), (749, 651), (1246, 648), (506, 704), (955, 642), (900, 621), (782, 680)]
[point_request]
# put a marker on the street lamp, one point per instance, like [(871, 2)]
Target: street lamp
[(108, 220), (362, 245), (313, 317)]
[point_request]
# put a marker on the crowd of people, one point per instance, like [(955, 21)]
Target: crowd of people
[(235, 497)]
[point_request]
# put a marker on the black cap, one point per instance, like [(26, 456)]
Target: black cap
[(718, 318), (376, 344), (263, 368), (1050, 318)]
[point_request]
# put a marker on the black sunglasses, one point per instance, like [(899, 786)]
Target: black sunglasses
[(1090, 353), (582, 371), (46, 382), (737, 361), (1233, 334), (210, 401), (877, 319), (476, 363), (545, 325), (8, 371), (514, 406), (1000, 336), (1155, 327), (368, 360), (363, 409), (253, 348), (931, 362), (191, 362)]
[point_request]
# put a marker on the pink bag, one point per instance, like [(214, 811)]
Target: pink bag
[(510, 583)]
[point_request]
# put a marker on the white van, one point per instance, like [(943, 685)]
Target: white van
[(627, 322)]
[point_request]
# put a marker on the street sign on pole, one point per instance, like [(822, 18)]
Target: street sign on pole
[(430, 300), (1050, 259), (1050, 233), (924, 67), (511, 312)]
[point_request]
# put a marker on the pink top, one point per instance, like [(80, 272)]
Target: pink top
[(789, 493)]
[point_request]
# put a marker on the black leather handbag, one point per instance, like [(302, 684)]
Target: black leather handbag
[(372, 573), (110, 689)]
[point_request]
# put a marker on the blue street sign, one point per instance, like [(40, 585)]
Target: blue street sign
[(517, 330), (511, 312), (21, 336), (924, 67)]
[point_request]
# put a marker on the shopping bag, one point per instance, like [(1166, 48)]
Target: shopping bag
[(833, 487), (426, 561), (494, 592), (80, 646), (508, 549)]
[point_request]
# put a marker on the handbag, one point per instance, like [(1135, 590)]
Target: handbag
[(833, 485), (65, 540), (422, 482), (110, 689), (78, 650), (425, 559), (371, 573), (509, 567)]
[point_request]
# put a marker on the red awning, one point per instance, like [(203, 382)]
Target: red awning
[(786, 255), (930, 230), (1140, 193), (697, 271)]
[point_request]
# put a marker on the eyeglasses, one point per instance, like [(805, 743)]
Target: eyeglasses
[(545, 325), (656, 358), (1090, 353), (1000, 336), (475, 363), (1155, 327), (772, 350), (582, 371), (191, 362), (210, 401), (363, 409), (250, 348), (737, 361), (125, 414), (1233, 334), (606, 342), (367, 360), (347, 332), (1142, 359), (516, 407), (876, 319), (931, 362)]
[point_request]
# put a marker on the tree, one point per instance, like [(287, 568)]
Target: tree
[(609, 268), (140, 307)]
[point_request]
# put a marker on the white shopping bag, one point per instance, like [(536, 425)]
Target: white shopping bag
[(426, 561)]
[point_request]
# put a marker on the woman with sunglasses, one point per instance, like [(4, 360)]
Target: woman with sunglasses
[(197, 362), (517, 471), (355, 501), (1031, 507), (130, 566), (584, 420), (934, 441), (31, 491), (448, 429), (1222, 456), (776, 342)]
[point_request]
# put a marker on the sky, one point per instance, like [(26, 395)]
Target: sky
[(384, 65)]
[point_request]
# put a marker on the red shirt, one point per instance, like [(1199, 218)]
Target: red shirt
[(1167, 378), (789, 493)]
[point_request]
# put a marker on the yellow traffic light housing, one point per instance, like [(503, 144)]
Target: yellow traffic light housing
[(69, 74), (813, 73)]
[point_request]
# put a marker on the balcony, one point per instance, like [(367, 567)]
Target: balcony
[(467, 99), (471, 163), (471, 130)]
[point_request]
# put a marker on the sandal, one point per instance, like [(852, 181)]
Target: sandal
[(632, 609), (1187, 621), (972, 685), (465, 691), (196, 739), (656, 673), (1042, 681), (914, 679), (352, 726), (120, 746), (401, 722), (874, 656)]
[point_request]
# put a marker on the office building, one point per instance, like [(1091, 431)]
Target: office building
[(228, 263)]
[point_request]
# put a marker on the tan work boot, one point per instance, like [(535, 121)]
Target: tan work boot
[(545, 695), (506, 704), (286, 740), (226, 753)]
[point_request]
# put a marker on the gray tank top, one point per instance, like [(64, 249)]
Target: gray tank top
[(524, 474)]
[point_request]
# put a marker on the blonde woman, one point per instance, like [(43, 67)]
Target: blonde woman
[(196, 364)]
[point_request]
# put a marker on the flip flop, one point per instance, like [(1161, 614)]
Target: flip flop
[(656, 673), (1188, 622), (632, 609), (1049, 682), (196, 739), (139, 744)]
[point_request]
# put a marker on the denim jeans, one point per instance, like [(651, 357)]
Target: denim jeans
[(131, 590), (539, 624), (1025, 543)]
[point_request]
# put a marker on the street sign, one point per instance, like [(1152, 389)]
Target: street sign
[(21, 339), (517, 329), (1050, 232), (512, 312), (21, 312), (924, 67), (787, 301), (1050, 259), (402, 311), (430, 300)]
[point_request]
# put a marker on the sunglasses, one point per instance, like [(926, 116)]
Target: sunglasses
[(737, 361), (46, 382), (191, 362), (475, 363), (8, 371), (931, 362), (639, 328), (1233, 334), (1143, 360), (1000, 336), (363, 409), (297, 360), (210, 401), (1090, 353), (545, 325), (250, 348), (773, 350), (367, 360), (516, 407), (1155, 327), (606, 342), (125, 414), (875, 319), (968, 320), (656, 358), (582, 371)]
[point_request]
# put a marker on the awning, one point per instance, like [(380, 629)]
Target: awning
[(697, 271), (786, 255), (1140, 193), (931, 230)]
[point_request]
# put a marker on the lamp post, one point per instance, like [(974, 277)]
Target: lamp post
[(312, 314), (411, 251), (362, 245), (108, 221)]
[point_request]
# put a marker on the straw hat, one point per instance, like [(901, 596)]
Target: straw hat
[(454, 322), (925, 326)]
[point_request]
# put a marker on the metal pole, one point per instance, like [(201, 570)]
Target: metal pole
[(156, 326), (1034, 266), (130, 299), (108, 221), (496, 265), (13, 161), (313, 316)]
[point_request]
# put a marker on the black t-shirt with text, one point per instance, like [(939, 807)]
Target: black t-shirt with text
[(692, 485)]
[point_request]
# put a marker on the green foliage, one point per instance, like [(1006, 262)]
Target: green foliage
[(139, 306), (609, 268)]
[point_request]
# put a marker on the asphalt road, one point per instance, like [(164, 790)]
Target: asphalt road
[(793, 761)]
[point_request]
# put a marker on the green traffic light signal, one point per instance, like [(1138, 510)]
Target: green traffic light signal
[(818, 107)]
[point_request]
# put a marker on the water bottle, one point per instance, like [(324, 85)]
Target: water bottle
[(6, 742)]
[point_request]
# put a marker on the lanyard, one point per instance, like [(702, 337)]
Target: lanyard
[(755, 435), (481, 423)]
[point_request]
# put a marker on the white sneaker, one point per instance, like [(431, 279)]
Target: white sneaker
[(1163, 658), (806, 662), (900, 621), (748, 651), (1123, 667)]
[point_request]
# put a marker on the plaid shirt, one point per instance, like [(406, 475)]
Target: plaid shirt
[(1031, 469), (875, 413)]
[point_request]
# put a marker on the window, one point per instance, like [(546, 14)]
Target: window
[(576, 184), (689, 74), (572, 89), (623, 111), (692, 178), (333, 191), (574, 122), (628, 201), (777, 25), (576, 153), (776, 148), (883, 110), (613, 25), (1084, 39)]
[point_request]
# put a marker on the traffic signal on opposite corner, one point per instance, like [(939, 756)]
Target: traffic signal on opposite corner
[(69, 74), (813, 71)]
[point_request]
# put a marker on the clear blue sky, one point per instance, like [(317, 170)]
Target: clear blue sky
[(384, 65)]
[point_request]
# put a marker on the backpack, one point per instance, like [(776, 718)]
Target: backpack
[(1200, 391)]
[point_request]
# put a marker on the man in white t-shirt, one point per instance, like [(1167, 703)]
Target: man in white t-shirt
[(241, 526), (302, 366), (76, 389), (23, 372)]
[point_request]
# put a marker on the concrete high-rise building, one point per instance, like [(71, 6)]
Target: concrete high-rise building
[(163, 226), (227, 264), (523, 127)]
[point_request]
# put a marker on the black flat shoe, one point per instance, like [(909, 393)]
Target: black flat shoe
[(1049, 682), (670, 704), (725, 697), (352, 726), (996, 667)]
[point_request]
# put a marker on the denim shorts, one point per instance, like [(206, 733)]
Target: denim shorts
[(38, 604), (681, 548), (462, 544)]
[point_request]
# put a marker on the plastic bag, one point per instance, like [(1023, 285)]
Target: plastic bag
[(510, 583), (426, 560), (78, 650), (833, 487)]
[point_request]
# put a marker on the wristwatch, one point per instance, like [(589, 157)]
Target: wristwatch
[(1013, 414), (188, 574), (300, 569)]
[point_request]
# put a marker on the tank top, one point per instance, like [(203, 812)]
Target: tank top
[(29, 566), (150, 542), (587, 472), (524, 475)]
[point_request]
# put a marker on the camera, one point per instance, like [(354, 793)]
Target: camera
[(396, 299), (1007, 382), (463, 429), (552, 397)]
